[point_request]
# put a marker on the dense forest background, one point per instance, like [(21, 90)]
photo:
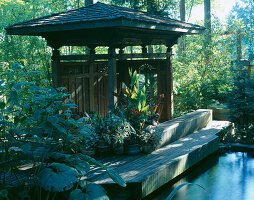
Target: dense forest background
[(197, 82)]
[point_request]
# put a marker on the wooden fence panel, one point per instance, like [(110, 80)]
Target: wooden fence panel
[(86, 83)]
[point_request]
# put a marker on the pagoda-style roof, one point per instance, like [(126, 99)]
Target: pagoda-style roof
[(115, 22)]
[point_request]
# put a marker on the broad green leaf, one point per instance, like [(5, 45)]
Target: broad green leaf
[(124, 86), (115, 177), (144, 109), (95, 192), (139, 106), (143, 99), (58, 177), (134, 95), (59, 157), (54, 121), (130, 72), (144, 89), (77, 194), (81, 166)]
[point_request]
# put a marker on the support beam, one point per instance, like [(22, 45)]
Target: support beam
[(56, 71), (112, 79), (169, 96), (116, 56)]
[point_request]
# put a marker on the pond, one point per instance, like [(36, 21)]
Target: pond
[(228, 176)]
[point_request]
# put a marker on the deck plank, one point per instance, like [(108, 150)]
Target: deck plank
[(149, 172)]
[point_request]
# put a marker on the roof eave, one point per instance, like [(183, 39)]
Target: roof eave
[(43, 29), (117, 22), (163, 27)]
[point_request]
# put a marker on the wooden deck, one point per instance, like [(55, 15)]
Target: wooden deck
[(146, 173)]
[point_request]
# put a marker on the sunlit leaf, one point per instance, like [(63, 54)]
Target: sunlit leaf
[(139, 106)]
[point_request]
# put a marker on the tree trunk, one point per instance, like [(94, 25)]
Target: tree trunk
[(208, 26), (239, 44), (88, 2), (183, 19), (182, 10)]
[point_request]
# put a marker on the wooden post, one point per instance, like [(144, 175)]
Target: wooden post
[(56, 71), (144, 49), (165, 86), (169, 84), (91, 79), (112, 79)]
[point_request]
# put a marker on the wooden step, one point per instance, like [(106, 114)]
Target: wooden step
[(146, 173), (172, 130)]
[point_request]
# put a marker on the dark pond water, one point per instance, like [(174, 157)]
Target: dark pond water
[(228, 176)]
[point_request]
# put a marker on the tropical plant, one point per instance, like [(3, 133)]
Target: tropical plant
[(134, 104)]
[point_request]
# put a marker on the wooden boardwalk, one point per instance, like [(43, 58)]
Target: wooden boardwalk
[(146, 173)]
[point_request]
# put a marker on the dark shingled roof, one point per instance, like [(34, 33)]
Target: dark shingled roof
[(85, 17)]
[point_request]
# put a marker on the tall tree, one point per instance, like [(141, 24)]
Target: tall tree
[(182, 10), (208, 32), (89, 2)]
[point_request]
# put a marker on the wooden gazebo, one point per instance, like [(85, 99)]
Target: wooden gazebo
[(92, 79)]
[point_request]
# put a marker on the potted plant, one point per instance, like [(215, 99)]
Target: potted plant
[(149, 140), (102, 133), (132, 143), (122, 132), (103, 144), (116, 127)]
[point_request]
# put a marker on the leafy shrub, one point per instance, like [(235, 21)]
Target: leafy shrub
[(35, 125)]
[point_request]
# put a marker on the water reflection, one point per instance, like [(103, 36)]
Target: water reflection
[(230, 177)]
